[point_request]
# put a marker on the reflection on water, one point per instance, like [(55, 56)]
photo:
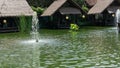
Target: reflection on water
[(91, 47)]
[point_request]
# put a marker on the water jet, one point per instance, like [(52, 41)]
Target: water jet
[(35, 27), (118, 19), (37, 40)]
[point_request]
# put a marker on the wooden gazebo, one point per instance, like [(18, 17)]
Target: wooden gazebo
[(62, 13), (11, 9)]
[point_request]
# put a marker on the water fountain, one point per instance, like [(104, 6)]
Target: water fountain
[(35, 35), (117, 15), (35, 27), (118, 19)]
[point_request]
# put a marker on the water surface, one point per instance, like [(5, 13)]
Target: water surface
[(90, 47)]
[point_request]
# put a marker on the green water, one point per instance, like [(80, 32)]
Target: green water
[(90, 47)]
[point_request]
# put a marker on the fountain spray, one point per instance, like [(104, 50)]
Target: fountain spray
[(117, 15), (35, 27), (118, 19)]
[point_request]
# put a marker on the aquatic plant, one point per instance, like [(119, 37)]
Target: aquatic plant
[(74, 27)]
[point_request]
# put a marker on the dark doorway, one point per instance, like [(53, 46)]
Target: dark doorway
[(8, 24), (65, 21)]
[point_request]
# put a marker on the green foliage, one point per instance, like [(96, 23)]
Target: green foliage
[(24, 24), (42, 3), (47, 3), (85, 8), (80, 2), (33, 8), (38, 9), (83, 4), (74, 27)]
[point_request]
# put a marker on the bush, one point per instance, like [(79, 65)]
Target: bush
[(33, 8), (74, 27), (25, 24), (39, 10), (85, 8)]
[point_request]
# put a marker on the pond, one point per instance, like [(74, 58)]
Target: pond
[(90, 47)]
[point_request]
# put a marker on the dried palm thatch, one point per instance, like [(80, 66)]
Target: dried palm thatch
[(58, 5), (53, 7), (15, 8), (100, 6), (91, 2)]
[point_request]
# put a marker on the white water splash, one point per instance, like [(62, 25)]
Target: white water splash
[(35, 27), (118, 19), (35, 35), (118, 15)]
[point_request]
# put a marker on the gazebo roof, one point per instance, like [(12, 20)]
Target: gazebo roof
[(100, 6), (91, 2), (57, 4), (15, 8)]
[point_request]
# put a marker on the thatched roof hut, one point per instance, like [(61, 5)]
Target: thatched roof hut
[(57, 5), (100, 6), (14, 8), (62, 13)]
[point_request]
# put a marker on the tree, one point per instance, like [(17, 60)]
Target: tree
[(46, 3), (40, 3), (80, 2)]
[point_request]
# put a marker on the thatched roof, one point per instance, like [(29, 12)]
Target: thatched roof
[(15, 8), (57, 4), (53, 7), (91, 2), (100, 6)]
